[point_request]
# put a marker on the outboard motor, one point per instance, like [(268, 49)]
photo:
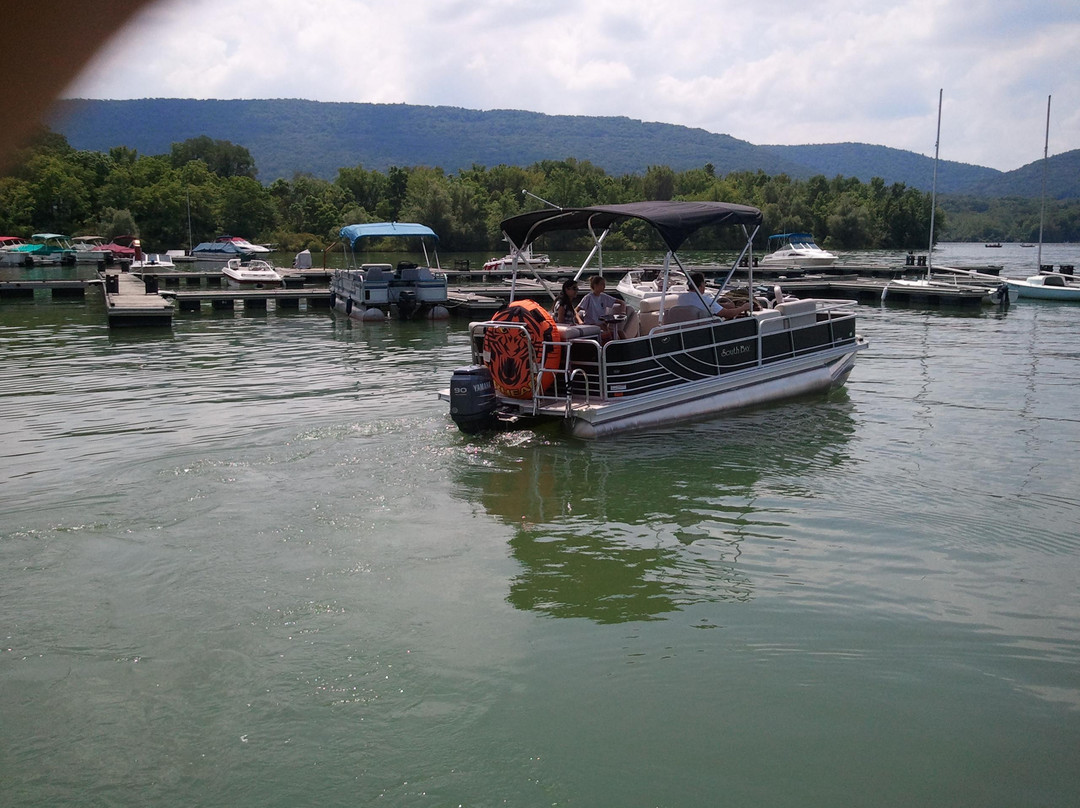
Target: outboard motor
[(406, 305), (472, 398)]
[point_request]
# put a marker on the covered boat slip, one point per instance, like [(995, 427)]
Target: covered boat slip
[(669, 360)]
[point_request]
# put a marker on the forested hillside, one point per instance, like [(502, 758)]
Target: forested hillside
[(287, 137), (290, 136), (209, 186), (892, 165)]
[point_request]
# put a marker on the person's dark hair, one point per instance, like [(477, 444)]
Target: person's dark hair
[(697, 278), (564, 295)]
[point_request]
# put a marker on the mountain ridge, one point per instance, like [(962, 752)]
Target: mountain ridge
[(290, 136)]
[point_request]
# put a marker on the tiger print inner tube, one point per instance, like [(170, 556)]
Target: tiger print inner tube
[(508, 348)]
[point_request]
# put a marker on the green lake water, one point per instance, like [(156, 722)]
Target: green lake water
[(249, 561)]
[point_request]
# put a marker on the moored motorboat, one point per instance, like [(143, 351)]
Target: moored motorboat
[(121, 247), (91, 250), (152, 261), (667, 362), (796, 250), (52, 248), (527, 258), (641, 284), (225, 248), (253, 274), (15, 251), (370, 290)]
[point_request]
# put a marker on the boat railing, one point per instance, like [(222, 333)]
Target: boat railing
[(543, 373), (588, 369)]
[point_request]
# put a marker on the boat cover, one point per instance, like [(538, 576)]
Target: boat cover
[(354, 232), (674, 221), (792, 236)]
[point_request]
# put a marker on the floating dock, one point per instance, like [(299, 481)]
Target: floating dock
[(176, 279), (26, 290), (132, 301), (192, 300)]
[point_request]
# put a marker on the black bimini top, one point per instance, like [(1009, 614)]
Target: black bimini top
[(674, 221)]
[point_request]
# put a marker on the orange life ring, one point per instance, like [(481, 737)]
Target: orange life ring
[(509, 348)]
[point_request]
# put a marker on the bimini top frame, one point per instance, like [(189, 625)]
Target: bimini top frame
[(353, 234), (673, 221)]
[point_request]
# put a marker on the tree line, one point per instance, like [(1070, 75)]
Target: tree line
[(203, 188)]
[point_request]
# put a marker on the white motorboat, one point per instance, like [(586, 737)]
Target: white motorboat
[(91, 250), (795, 250), (370, 290), (153, 261), (526, 258), (667, 362), (253, 274), (225, 248), (640, 284)]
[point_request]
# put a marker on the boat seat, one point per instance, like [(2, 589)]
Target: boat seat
[(800, 313), (769, 320), (416, 274), (377, 274), (651, 304), (570, 332), (684, 314), (648, 308), (631, 326)]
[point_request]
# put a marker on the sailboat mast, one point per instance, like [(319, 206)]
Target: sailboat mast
[(933, 189), (1046, 151)]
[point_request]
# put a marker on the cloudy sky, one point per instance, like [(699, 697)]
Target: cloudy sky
[(776, 72)]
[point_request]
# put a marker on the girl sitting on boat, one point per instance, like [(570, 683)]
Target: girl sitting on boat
[(565, 311)]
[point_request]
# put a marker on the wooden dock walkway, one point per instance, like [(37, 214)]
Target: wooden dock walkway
[(133, 301)]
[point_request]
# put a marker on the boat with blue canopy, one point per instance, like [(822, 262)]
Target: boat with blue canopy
[(370, 291)]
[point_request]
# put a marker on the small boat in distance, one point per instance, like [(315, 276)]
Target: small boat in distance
[(91, 249), (52, 248), (526, 258), (253, 274), (224, 248), (1046, 285), (993, 291), (14, 251), (121, 247), (796, 250)]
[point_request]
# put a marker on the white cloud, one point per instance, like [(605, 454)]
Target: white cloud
[(792, 72)]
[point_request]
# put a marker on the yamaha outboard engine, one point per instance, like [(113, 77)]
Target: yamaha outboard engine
[(472, 398), (406, 305)]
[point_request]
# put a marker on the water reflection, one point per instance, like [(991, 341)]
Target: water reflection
[(647, 524)]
